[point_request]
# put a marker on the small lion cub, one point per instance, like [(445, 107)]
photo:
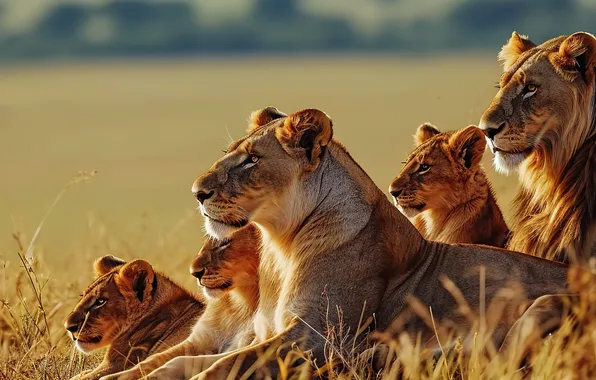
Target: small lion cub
[(445, 192), (227, 273), (132, 310)]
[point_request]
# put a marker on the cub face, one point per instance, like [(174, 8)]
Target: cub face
[(106, 305), (437, 172), (222, 265)]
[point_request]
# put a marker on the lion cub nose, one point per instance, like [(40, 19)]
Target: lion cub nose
[(395, 192), (197, 273)]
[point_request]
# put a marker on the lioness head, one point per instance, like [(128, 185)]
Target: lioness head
[(544, 101), (121, 291), (262, 171), (224, 264), (438, 171)]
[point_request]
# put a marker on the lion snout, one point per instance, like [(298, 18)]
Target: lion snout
[(72, 327), (397, 187)]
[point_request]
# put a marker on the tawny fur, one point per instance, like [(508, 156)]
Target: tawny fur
[(550, 137), (341, 253), (227, 322), (445, 192), (144, 313)]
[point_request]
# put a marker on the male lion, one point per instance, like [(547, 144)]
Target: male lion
[(227, 272), (543, 123), (133, 310), (343, 252), (444, 190)]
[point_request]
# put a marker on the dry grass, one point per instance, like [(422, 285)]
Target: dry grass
[(149, 128)]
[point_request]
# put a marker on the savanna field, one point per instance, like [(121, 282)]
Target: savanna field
[(149, 128)]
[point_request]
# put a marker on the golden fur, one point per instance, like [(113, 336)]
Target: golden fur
[(134, 311), (227, 271), (340, 253), (444, 190), (543, 123)]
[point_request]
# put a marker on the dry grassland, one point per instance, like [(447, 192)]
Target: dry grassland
[(149, 128)]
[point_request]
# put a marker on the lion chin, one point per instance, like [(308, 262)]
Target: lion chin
[(219, 230), (86, 347), (213, 293), (506, 163), (409, 212)]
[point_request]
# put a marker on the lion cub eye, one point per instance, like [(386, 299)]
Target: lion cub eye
[(224, 244), (530, 90), (99, 302), (423, 168)]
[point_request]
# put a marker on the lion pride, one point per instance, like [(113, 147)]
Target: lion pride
[(444, 190), (542, 122), (134, 311), (343, 252)]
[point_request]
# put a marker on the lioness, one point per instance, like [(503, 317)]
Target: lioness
[(542, 122), (227, 272), (444, 190), (133, 310), (343, 251)]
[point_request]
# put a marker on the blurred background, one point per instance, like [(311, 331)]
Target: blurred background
[(33, 29), (148, 93)]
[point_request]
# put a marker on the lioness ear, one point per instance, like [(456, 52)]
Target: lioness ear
[(516, 46), (265, 116), (468, 145), (106, 263), (137, 277), (424, 132), (305, 134), (577, 54)]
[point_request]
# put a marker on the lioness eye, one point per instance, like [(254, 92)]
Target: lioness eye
[(99, 302), (252, 159), (423, 167), (529, 90)]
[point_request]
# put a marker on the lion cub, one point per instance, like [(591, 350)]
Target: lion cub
[(444, 190), (132, 310), (227, 272)]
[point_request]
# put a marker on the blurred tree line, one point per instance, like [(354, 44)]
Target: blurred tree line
[(174, 27)]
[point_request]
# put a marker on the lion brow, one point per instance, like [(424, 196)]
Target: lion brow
[(106, 277), (508, 75)]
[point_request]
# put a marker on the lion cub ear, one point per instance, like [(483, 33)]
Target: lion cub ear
[(468, 145), (516, 46), (305, 134), (106, 263), (577, 54), (137, 278), (265, 116), (424, 132)]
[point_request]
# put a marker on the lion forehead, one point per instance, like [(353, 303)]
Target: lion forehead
[(433, 149), (100, 284), (255, 135)]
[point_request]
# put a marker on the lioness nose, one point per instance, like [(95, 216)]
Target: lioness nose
[(202, 196), (72, 327), (395, 192), (198, 274), (491, 129)]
